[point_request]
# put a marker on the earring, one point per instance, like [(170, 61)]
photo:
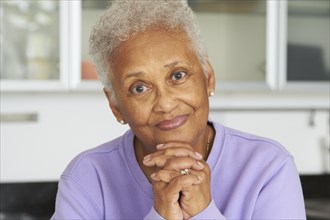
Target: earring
[(121, 121), (211, 94)]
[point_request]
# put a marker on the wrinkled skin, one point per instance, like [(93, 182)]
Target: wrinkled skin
[(162, 93), (178, 196)]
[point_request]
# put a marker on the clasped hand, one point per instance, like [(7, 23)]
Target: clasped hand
[(178, 196)]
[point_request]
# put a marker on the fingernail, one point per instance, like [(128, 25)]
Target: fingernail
[(200, 164), (200, 178), (199, 155), (152, 176), (159, 146), (146, 158)]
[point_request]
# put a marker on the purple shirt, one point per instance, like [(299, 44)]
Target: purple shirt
[(252, 178)]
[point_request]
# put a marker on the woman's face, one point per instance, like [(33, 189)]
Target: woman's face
[(161, 90)]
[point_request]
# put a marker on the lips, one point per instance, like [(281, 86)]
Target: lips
[(173, 123)]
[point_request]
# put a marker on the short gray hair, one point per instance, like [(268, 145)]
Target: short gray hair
[(126, 18)]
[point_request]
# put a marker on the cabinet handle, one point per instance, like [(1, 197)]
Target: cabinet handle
[(19, 117)]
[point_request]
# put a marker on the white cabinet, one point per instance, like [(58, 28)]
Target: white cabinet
[(235, 34), (249, 42), (304, 45), (259, 46), (34, 45)]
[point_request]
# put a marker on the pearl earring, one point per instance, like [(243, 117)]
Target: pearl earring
[(211, 94), (121, 122)]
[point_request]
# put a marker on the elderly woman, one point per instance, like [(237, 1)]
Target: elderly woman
[(173, 163)]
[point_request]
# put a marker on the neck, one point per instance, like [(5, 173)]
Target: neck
[(205, 150)]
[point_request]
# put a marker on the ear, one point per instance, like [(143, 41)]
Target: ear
[(210, 77), (113, 105)]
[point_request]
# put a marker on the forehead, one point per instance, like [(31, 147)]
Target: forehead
[(152, 46), (155, 36)]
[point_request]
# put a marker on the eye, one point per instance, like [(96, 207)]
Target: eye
[(178, 75), (139, 88)]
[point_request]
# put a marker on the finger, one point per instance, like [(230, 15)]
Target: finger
[(174, 144), (181, 163), (177, 152), (176, 163), (164, 175), (199, 174), (160, 157), (182, 152), (169, 175), (182, 182)]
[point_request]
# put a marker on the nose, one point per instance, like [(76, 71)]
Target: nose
[(165, 101)]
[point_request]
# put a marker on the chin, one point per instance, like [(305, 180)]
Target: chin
[(176, 135)]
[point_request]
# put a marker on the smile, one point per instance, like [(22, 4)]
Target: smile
[(173, 123)]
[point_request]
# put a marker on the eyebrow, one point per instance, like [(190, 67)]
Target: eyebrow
[(134, 74), (141, 73), (171, 64)]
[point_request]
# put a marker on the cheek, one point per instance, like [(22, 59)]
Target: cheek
[(136, 114), (197, 93)]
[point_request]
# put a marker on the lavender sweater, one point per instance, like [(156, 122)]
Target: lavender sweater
[(252, 178)]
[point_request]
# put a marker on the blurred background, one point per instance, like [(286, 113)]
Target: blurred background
[(272, 63)]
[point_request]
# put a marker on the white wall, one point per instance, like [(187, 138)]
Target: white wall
[(236, 45), (69, 123)]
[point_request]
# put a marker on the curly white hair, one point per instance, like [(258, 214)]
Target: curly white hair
[(126, 18)]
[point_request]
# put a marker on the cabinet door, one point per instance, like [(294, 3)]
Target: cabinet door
[(307, 45), (31, 53), (84, 14), (235, 34)]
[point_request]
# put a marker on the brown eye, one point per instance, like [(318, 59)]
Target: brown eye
[(178, 75), (139, 89)]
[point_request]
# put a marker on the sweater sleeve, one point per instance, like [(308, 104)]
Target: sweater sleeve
[(152, 215), (281, 197), (73, 202), (211, 212)]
